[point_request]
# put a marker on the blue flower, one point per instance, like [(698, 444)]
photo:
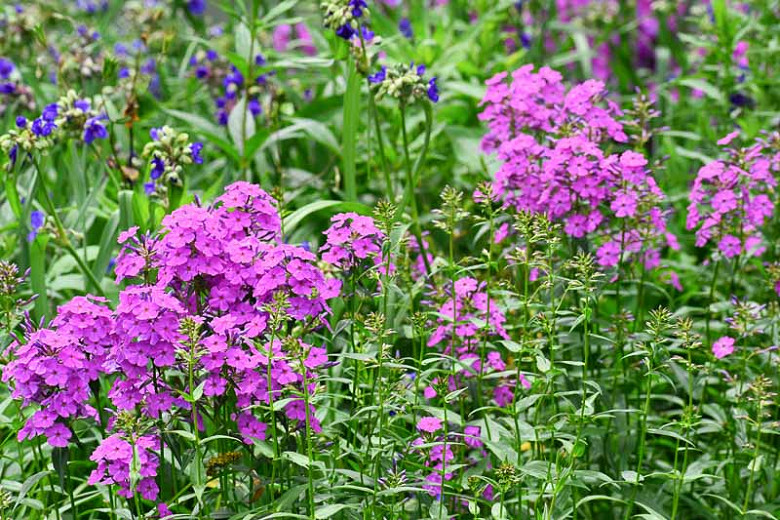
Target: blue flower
[(255, 107), (50, 112), (525, 40), (196, 7), (357, 7), (405, 26), (82, 104), (7, 88), (94, 129), (195, 148), (149, 67), (149, 188), (158, 167), (154, 133), (37, 220), (378, 77), (738, 99), (345, 31), (42, 128), (6, 68), (368, 34), (433, 90), (21, 121), (259, 60)]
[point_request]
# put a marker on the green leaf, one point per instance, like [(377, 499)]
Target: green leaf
[(349, 137), (184, 434), (208, 130), (38, 275), (107, 244), (277, 11), (708, 89), (126, 218), (241, 125), (243, 42), (329, 510), (12, 194), (27, 486), (297, 458)]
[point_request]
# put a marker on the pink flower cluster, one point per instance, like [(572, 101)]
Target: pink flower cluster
[(731, 199), (212, 293), (223, 266), (54, 367), (458, 327), (351, 240), (441, 457), (552, 146), (118, 457)]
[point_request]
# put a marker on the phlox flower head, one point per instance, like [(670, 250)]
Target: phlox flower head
[(353, 241), (554, 144), (732, 199), (52, 368), (117, 454)]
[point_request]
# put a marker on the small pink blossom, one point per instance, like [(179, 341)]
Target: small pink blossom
[(723, 347), (429, 424)]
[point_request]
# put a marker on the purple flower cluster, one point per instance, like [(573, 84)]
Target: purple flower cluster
[(227, 84), (459, 328), (53, 367), (552, 146), (731, 199), (648, 27), (118, 456), (351, 241), (134, 60), (217, 277), (232, 253), (445, 458)]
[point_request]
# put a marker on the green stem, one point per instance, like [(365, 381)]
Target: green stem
[(749, 491), (309, 454), (410, 188), (711, 300)]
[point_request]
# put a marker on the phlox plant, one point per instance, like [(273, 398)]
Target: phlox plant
[(373, 259)]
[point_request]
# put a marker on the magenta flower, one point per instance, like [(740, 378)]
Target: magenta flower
[(471, 436), (117, 454), (554, 147), (353, 241), (731, 200), (429, 424), (723, 347)]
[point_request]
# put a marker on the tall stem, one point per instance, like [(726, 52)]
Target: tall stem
[(410, 189)]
